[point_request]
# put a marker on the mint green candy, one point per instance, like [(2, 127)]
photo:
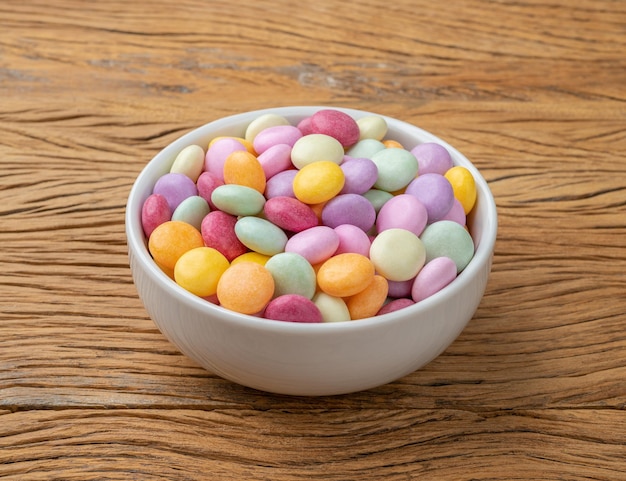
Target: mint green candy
[(260, 235), (377, 198), (292, 274), (446, 238), (365, 149), (396, 169), (238, 199), (192, 210)]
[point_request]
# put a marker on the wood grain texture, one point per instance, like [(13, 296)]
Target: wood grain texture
[(534, 93)]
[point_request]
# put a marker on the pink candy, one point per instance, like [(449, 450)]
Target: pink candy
[(290, 214), (272, 136), (352, 239), (432, 158), (335, 124), (433, 277), (403, 211), (154, 212), (217, 153), (218, 231), (293, 308), (315, 244)]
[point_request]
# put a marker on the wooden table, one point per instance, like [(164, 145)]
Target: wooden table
[(534, 93)]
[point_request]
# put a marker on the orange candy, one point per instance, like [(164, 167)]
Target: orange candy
[(171, 240), (392, 144), (369, 301), (245, 287), (243, 168), (345, 275)]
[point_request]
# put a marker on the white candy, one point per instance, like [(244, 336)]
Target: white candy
[(397, 254)]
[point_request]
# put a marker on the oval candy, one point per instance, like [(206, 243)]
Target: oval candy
[(237, 199), (293, 308), (314, 148), (260, 235), (189, 161), (290, 214), (192, 210)]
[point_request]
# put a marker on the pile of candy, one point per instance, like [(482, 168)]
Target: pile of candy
[(324, 221)]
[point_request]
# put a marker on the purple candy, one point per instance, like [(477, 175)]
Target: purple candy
[(281, 184), (432, 158), (349, 209), (175, 188), (435, 192), (400, 288), (360, 175)]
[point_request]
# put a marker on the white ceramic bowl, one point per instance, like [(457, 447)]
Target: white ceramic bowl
[(308, 359)]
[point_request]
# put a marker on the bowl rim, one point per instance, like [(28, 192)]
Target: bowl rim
[(137, 245)]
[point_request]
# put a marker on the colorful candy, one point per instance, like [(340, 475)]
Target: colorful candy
[(345, 275), (171, 240), (199, 270), (293, 308), (318, 182), (245, 287), (327, 220)]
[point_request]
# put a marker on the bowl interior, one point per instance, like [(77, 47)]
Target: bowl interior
[(482, 221)]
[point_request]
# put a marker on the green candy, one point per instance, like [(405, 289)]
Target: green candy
[(260, 235), (238, 199), (446, 238), (396, 169), (292, 274), (192, 210)]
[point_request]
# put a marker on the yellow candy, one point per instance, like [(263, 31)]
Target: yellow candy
[(345, 275), (246, 143), (318, 182), (243, 168), (251, 257), (463, 185), (369, 301), (245, 287), (171, 240), (199, 270)]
